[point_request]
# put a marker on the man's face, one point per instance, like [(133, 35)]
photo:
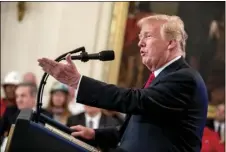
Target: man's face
[(24, 98), (153, 48), (220, 113), (10, 91), (92, 110), (59, 98)]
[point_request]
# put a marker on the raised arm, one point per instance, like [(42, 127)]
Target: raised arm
[(171, 94)]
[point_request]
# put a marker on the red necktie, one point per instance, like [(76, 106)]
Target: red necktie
[(150, 79)]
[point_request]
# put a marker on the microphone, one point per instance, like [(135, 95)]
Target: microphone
[(107, 55)]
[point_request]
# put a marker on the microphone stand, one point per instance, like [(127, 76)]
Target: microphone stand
[(44, 79)]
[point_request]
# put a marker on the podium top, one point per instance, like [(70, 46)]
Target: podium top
[(72, 139)]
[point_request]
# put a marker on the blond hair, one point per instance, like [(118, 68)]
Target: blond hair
[(171, 29)]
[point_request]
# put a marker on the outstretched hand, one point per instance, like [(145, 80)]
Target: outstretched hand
[(65, 73)]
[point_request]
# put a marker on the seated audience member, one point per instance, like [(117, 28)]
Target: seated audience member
[(30, 78), (211, 141), (92, 118), (25, 98), (58, 103), (218, 124), (9, 86)]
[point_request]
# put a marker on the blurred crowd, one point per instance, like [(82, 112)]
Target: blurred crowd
[(21, 92)]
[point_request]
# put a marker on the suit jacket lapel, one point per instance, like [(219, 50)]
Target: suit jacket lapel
[(102, 121), (171, 68), (14, 117), (124, 125), (83, 120)]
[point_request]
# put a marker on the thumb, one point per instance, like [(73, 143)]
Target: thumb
[(68, 59)]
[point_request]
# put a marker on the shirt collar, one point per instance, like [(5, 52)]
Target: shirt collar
[(96, 117), (217, 123), (156, 72)]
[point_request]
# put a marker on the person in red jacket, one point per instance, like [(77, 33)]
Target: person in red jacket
[(2, 107), (9, 85), (211, 141)]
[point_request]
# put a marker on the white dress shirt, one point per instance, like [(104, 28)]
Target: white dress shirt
[(95, 120), (216, 126), (156, 72)]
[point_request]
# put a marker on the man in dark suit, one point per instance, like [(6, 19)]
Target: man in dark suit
[(92, 118), (167, 115), (25, 98)]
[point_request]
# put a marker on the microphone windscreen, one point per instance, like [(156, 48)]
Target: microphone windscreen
[(107, 55)]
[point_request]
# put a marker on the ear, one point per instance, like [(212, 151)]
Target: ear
[(172, 44)]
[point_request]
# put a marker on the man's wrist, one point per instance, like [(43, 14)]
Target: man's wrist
[(76, 81)]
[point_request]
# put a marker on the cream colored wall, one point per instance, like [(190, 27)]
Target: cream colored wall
[(50, 29)]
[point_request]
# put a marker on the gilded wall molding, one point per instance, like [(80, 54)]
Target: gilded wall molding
[(21, 9), (116, 39)]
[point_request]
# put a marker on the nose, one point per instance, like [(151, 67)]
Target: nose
[(19, 100), (141, 43)]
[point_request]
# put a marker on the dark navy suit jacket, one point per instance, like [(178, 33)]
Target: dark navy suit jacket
[(168, 116)]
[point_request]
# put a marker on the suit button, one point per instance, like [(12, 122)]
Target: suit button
[(119, 144)]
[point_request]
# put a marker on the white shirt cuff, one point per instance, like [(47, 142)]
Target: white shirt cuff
[(76, 92)]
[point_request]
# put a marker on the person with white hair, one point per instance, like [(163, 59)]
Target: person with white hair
[(167, 114)]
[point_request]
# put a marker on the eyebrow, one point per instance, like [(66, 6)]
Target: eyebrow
[(146, 32)]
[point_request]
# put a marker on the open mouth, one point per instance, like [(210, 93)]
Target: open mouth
[(142, 54)]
